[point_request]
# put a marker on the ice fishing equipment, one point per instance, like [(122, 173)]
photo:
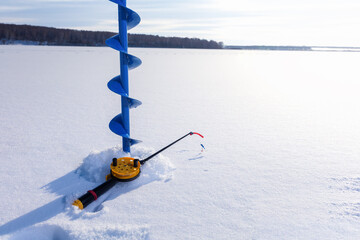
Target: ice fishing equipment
[(123, 169), (120, 124)]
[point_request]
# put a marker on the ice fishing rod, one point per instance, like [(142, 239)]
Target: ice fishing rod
[(124, 169)]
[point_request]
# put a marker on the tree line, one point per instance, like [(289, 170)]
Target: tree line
[(11, 33)]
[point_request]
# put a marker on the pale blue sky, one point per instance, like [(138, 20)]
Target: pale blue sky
[(276, 22)]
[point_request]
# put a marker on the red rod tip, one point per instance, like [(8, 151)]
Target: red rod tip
[(197, 134)]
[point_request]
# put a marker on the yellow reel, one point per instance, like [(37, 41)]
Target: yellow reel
[(124, 169)]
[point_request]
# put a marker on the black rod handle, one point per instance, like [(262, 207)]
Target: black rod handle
[(92, 195)]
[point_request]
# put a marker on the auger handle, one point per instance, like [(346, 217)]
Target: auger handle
[(92, 195)]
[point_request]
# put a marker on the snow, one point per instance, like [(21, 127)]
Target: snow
[(281, 136)]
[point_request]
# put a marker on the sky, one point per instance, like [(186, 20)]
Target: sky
[(234, 22)]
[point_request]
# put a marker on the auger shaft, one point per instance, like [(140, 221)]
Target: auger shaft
[(124, 73)]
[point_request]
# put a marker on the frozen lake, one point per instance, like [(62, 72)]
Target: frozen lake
[(282, 135)]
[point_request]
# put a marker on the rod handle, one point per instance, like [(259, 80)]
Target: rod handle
[(92, 195)]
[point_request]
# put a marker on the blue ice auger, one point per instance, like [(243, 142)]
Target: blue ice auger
[(120, 124)]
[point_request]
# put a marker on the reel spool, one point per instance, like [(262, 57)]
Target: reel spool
[(123, 169)]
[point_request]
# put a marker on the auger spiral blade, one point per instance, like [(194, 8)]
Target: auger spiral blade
[(120, 124), (116, 125), (114, 43), (133, 19), (116, 86)]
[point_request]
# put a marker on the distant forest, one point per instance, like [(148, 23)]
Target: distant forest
[(36, 35)]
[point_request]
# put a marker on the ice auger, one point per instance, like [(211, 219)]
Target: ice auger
[(123, 169), (120, 124)]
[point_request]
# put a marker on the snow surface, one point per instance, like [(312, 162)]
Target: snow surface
[(282, 134)]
